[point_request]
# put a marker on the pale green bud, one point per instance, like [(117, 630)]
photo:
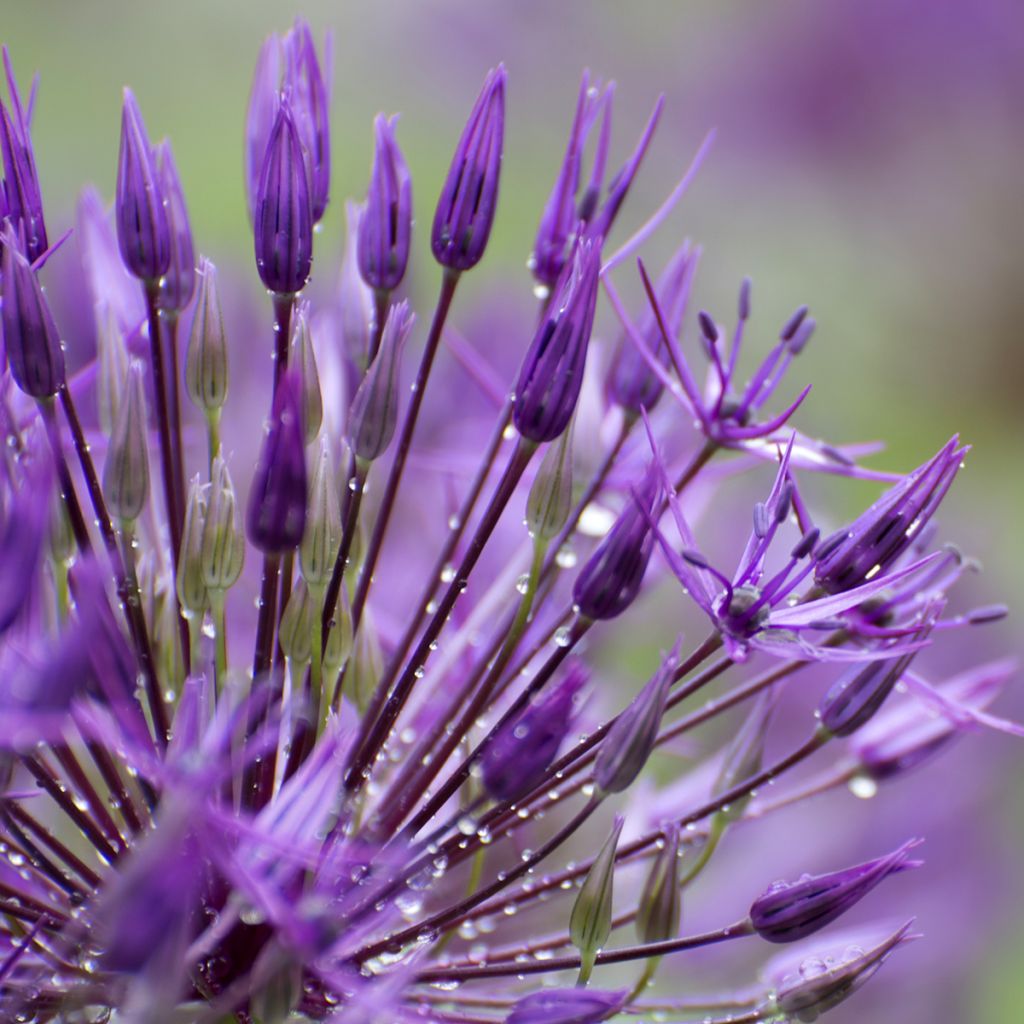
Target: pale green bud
[(322, 539), (223, 546), (126, 470), (339, 637), (591, 922), (280, 986), (367, 665), (304, 358), (373, 414), (657, 915), (60, 538), (206, 361), (191, 588), (113, 366), (745, 757), (550, 500), (295, 634)]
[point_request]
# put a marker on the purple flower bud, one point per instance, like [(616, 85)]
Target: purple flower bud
[(264, 99), (386, 226), (30, 334), (610, 580), (552, 372), (21, 542), (276, 514), (283, 219), (21, 200), (858, 694), (465, 210), (873, 542), (178, 284), (373, 414), (517, 758), (792, 910), (630, 740), (567, 1006), (143, 229), (354, 297)]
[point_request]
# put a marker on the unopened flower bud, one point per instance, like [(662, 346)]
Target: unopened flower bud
[(206, 361), (339, 636), (276, 513), (859, 693), (591, 922), (629, 742), (568, 1006), (143, 230), (355, 297), (322, 539), (305, 360), (61, 538), (658, 912), (791, 911), (465, 209), (276, 998), (223, 546), (30, 335), (610, 580), (113, 366), (178, 284), (744, 758), (550, 499), (296, 632), (192, 594), (367, 664), (386, 226), (552, 372), (126, 470), (283, 221), (517, 758), (373, 415)]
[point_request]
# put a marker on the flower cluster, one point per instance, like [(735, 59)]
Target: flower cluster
[(336, 810)]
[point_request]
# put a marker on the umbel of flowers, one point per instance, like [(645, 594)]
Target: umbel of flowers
[(337, 812)]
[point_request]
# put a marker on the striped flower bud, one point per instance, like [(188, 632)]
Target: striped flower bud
[(112, 357), (550, 498), (858, 694), (126, 470), (305, 87), (792, 910), (305, 359), (744, 758), (373, 415), (590, 924), (178, 284), (552, 372), (465, 209), (24, 200), (658, 912), (367, 664), (322, 539), (33, 346), (206, 361), (296, 632), (283, 220), (192, 593), (339, 636), (223, 546), (276, 513), (610, 580), (143, 228), (517, 758), (386, 226), (630, 740)]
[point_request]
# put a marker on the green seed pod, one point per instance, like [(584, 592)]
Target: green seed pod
[(113, 366), (304, 358), (367, 665), (591, 920), (322, 538), (126, 470), (223, 546), (191, 588), (547, 507), (339, 637), (297, 625), (206, 362), (657, 916)]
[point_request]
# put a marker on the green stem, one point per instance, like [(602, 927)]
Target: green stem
[(220, 625)]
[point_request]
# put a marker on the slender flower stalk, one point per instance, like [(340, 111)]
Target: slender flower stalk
[(426, 740)]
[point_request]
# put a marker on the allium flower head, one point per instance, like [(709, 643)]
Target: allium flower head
[(311, 767)]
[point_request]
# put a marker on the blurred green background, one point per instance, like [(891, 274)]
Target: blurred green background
[(869, 161)]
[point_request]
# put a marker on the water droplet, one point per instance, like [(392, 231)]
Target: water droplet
[(863, 787)]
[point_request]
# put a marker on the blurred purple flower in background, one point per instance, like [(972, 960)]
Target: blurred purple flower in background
[(352, 807)]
